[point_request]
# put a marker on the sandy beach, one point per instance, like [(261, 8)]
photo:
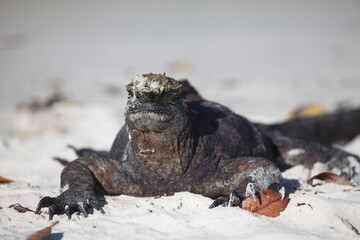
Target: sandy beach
[(262, 61), (327, 211)]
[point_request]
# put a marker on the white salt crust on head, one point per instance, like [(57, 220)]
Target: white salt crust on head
[(143, 84)]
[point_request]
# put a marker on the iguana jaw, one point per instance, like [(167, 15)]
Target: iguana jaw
[(149, 117), (138, 116)]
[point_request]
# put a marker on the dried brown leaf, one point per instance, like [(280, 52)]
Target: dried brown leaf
[(5, 180), (20, 208), (330, 178), (268, 203), (43, 233)]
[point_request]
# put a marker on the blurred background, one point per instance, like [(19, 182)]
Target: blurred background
[(261, 58)]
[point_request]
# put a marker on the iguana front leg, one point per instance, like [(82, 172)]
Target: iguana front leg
[(77, 192), (234, 179), (80, 182)]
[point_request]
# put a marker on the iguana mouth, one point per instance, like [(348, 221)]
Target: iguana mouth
[(149, 117), (160, 117), (153, 111)]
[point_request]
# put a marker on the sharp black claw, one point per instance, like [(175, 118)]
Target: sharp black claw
[(72, 147), (220, 201), (38, 208), (51, 212), (92, 203), (67, 211), (81, 209), (62, 161)]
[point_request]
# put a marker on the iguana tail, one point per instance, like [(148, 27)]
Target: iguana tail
[(334, 128)]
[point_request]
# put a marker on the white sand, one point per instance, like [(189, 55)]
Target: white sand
[(259, 58), (29, 140)]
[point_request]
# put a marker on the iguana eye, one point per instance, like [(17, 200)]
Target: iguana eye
[(151, 96), (174, 96)]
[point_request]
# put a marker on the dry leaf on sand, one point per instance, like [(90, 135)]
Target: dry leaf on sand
[(268, 203), (330, 178), (41, 234), (20, 208), (5, 180)]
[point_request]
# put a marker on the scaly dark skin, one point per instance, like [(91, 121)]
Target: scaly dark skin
[(174, 140)]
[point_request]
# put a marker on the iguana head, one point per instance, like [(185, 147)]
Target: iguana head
[(155, 104)]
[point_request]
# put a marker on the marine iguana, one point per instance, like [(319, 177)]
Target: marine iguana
[(174, 140)]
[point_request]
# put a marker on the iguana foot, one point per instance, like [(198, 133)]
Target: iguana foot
[(227, 201), (235, 198), (348, 167), (69, 202)]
